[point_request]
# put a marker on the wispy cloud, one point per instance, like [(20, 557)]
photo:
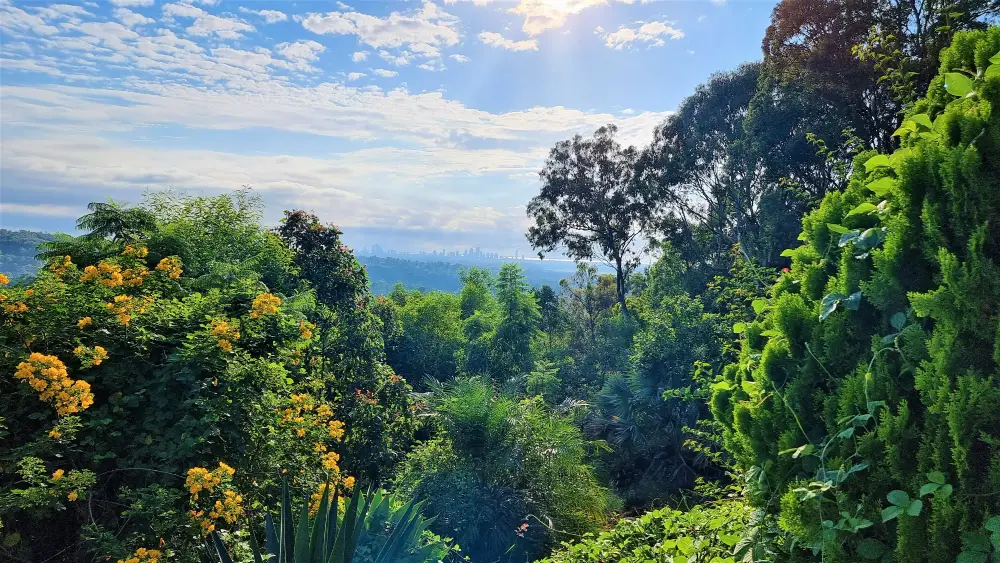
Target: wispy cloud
[(269, 16), (496, 40)]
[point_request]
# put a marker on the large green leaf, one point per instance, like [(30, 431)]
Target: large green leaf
[(862, 209), (958, 84), (877, 161), (881, 186)]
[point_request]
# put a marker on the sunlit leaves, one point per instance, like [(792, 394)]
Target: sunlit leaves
[(958, 84)]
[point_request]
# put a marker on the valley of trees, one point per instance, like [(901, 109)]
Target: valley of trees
[(808, 369)]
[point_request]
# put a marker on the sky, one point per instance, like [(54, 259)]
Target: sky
[(414, 125)]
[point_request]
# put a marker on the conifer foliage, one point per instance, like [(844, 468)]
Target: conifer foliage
[(864, 402)]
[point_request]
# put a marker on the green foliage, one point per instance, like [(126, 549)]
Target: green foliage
[(867, 388), (373, 528), (507, 477), (183, 371), (18, 250), (700, 534)]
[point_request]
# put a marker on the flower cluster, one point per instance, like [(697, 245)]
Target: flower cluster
[(17, 307), (140, 252), (143, 555), (84, 322), (106, 273), (264, 304), (225, 334), (228, 506), (72, 484), (125, 307), (90, 357), (4, 280), (172, 266), (200, 479), (48, 376), (305, 330), (59, 268)]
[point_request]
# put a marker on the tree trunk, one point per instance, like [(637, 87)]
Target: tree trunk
[(620, 285)]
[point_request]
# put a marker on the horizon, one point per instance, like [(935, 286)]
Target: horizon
[(417, 126)]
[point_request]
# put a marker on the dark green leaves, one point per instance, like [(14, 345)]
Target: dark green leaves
[(831, 301)]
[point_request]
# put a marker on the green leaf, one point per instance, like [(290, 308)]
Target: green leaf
[(957, 84), (739, 328), (729, 539), (870, 549), (889, 513), (858, 467), (221, 549), (929, 488), (936, 477), (877, 161), (722, 386), (862, 209), (914, 508), (944, 492), (829, 304), (853, 302), (923, 120), (975, 541), (898, 321), (846, 433), (759, 305), (847, 237), (993, 524), (992, 71), (839, 229), (995, 59), (686, 545), (770, 332), (751, 388), (787, 253), (881, 186), (898, 498)]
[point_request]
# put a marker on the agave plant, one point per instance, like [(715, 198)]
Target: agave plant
[(371, 530)]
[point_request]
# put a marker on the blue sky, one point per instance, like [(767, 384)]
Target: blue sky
[(414, 125)]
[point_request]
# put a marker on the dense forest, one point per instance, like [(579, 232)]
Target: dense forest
[(809, 369)]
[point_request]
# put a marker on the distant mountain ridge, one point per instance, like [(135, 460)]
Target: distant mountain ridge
[(18, 250)]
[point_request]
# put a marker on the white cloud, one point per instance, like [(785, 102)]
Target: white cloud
[(42, 209), (360, 56), (428, 26), (459, 58), (132, 3), (356, 75), (497, 40), (269, 16), (402, 59), (301, 53), (130, 18), (343, 6), (651, 33), (14, 19), (384, 72), (542, 15), (476, 2), (207, 24), (433, 66)]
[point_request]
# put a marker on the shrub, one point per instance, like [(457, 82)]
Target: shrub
[(864, 400)]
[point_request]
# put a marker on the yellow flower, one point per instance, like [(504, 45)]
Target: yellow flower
[(4, 280), (72, 496), (84, 322), (48, 376), (336, 429), (264, 304), (349, 482), (58, 474), (172, 266), (29, 293), (305, 330), (55, 434)]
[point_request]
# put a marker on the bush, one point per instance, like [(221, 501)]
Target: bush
[(864, 400)]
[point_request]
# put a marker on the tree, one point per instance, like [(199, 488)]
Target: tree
[(519, 318), (592, 204)]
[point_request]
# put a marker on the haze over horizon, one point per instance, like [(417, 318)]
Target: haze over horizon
[(417, 126)]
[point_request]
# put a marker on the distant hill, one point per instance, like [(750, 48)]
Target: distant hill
[(426, 275), (18, 250)]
